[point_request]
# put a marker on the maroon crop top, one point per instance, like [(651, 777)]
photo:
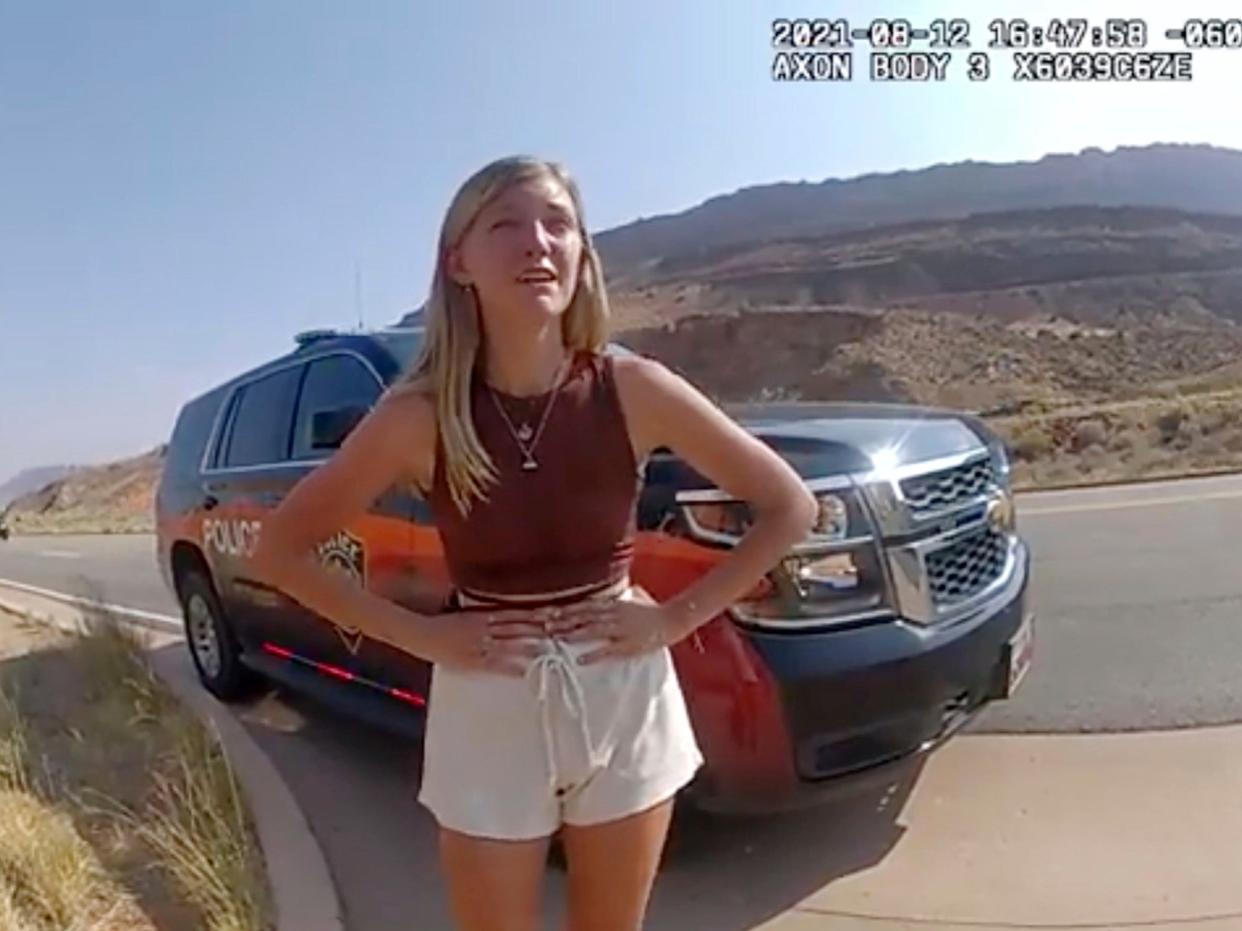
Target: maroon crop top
[(568, 523)]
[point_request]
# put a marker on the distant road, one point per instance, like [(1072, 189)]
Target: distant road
[(119, 568), (1137, 589)]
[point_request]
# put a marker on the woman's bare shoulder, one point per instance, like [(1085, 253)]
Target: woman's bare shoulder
[(643, 386), (408, 414), (408, 408), (643, 378)]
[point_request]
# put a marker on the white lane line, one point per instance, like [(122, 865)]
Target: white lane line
[(1132, 503), (59, 554), (1210, 484), (165, 620)]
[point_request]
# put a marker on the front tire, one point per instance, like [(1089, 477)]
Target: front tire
[(213, 646)]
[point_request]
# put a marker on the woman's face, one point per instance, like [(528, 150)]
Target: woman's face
[(523, 252)]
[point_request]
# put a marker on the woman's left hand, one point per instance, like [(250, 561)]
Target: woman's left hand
[(626, 628)]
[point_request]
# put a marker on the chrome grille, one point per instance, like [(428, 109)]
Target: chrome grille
[(967, 566), (937, 491)]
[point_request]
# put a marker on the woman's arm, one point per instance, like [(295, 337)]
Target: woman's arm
[(663, 409), (379, 452), (394, 442)]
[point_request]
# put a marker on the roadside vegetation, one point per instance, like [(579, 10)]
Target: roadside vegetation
[(1164, 437), (118, 809)]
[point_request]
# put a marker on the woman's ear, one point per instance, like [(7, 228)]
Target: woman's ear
[(455, 268)]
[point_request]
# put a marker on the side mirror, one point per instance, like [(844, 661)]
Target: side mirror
[(329, 428)]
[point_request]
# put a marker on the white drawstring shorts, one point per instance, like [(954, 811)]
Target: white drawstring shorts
[(514, 758)]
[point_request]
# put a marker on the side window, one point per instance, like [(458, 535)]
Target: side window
[(260, 431), (338, 390), (226, 426)]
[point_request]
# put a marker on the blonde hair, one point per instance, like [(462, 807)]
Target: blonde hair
[(453, 336)]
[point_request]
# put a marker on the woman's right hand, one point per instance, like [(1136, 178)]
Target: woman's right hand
[(499, 641)]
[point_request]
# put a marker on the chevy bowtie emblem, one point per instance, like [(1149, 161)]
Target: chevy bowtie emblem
[(345, 553)]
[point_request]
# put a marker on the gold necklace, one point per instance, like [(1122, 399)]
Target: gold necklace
[(524, 435)]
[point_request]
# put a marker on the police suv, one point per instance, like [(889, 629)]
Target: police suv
[(870, 643)]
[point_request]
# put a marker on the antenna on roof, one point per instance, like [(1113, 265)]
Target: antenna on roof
[(358, 294)]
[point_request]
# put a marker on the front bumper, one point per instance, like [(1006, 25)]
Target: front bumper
[(859, 705)]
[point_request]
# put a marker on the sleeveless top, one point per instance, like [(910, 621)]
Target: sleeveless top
[(569, 523)]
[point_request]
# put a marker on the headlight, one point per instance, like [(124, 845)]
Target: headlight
[(833, 575), (717, 521), (722, 521), (1000, 461), (832, 522), (817, 589), (822, 575)]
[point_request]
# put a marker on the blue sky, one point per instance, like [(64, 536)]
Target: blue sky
[(184, 185)]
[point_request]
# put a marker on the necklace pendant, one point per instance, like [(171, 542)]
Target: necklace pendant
[(529, 464), (525, 433)]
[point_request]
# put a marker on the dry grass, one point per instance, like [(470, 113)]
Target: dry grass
[(14, 745), (50, 877), (100, 759), (197, 823)]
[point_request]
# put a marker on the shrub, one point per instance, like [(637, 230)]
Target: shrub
[(1124, 441), (1089, 434), (1031, 444), (1209, 452), (1170, 423), (1094, 459)]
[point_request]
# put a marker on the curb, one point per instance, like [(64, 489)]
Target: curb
[(304, 895)]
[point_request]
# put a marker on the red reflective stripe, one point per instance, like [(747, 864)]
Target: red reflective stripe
[(344, 674), (408, 696), (335, 671)]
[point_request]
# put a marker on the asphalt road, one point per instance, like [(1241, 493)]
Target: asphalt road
[(117, 568), (1138, 596), (1136, 589)]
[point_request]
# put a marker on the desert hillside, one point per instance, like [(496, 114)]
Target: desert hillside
[(28, 480), (118, 497), (993, 311), (1196, 178)]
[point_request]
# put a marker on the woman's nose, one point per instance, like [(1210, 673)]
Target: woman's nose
[(537, 239)]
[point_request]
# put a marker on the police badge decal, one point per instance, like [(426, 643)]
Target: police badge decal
[(345, 553)]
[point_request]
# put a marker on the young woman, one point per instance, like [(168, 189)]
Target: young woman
[(554, 702)]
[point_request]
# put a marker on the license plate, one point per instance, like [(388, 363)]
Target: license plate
[(1021, 651)]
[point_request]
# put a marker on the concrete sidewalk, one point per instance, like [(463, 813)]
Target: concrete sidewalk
[(1102, 831), (810, 921)]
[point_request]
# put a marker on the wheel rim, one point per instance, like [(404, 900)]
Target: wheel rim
[(203, 640)]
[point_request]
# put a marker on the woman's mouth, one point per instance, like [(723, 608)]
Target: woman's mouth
[(537, 278)]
